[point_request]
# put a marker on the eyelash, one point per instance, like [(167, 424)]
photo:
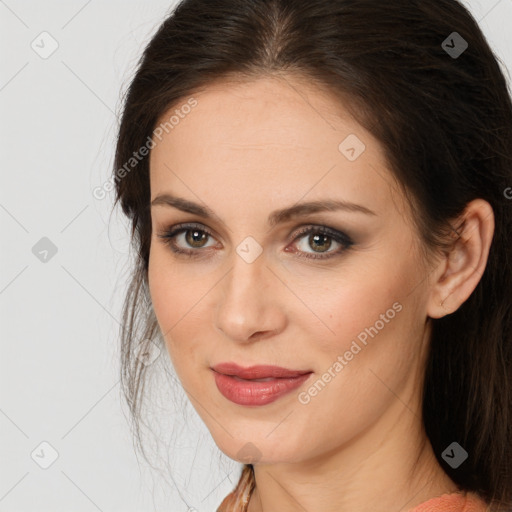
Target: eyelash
[(169, 236)]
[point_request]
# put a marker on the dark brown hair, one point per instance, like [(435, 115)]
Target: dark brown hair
[(445, 123)]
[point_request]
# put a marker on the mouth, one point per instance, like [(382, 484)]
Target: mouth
[(256, 385), (266, 379), (258, 372)]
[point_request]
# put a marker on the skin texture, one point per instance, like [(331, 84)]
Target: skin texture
[(245, 150)]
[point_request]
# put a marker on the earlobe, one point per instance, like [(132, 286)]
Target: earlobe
[(463, 266)]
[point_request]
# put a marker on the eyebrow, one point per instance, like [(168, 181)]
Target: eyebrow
[(276, 217)]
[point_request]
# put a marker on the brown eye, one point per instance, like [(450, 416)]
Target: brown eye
[(320, 240), (186, 239), (195, 237)]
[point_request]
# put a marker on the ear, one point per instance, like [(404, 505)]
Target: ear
[(460, 270)]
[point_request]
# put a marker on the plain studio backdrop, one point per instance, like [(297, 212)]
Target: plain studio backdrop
[(65, 441)]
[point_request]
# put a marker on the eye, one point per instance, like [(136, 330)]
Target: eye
[(192, 235), (320, 238)]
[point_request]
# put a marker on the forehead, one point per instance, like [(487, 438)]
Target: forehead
[(280, 139), (266, 113)]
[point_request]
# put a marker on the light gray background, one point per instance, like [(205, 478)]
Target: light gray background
[(59, 320)]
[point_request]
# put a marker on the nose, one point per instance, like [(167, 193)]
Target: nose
[(249, 305)]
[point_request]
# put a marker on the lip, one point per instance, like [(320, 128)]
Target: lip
[(237, 384), (257, 371)]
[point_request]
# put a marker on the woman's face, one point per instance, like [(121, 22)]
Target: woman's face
[(293, 293)]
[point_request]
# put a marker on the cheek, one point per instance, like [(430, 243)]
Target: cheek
[(375, 320), (362, 304), (165, 291), (367, 310), (177, 297)]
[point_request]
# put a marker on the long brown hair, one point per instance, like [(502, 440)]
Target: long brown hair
[(423, 80)]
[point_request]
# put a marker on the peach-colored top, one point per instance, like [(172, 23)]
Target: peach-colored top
[(238, 500)]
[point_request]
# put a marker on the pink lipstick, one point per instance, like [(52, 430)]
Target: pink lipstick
[(256, 385)]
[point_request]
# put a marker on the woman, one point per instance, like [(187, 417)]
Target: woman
[(265, 133)]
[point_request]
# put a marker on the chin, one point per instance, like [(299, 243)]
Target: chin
[(259, 451)]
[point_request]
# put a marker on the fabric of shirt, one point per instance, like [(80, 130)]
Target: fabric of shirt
[(238, 500)]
